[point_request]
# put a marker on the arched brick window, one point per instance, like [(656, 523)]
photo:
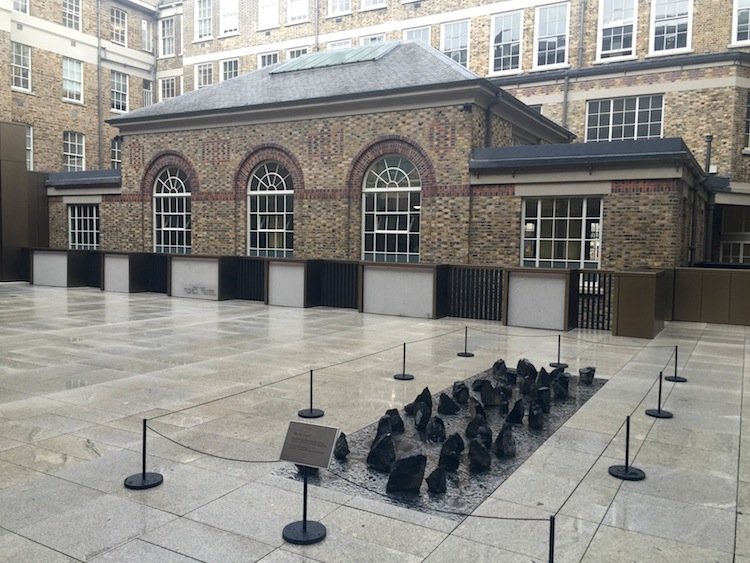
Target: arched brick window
[(172, 212), (270, 211)]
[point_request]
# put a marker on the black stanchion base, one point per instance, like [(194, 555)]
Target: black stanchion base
[(403, 376), (465, 354), (558, 365), (310, 413), (629, 473), (656, 413), (293, 533), (675, 379), (141, 481)]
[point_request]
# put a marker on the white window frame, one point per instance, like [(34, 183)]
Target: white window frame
[(737, 7), (264, 59), (72, 79), (29, 147), (367, 5), (164, 82), (20, 67), (204, 72), (538, 37), (74, 160), (168, 37), (421, 29), (224, 67), (116, 153), (119, 99), (147, 36), (340, 44), (448, 49), (21, 6), (148, 92), (71, 14), (229, 17), (339, 8), (534, 233), (519, 41), (372, 39), (172, 200), (297, 11), (391, 191), (296, 53), (636, 111), (652, 30), (601, 55), (119, 20), (204, 20), (83, 226), (270, 211), (268, 14)]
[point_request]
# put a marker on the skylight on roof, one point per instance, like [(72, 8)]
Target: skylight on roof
[(336, 57)]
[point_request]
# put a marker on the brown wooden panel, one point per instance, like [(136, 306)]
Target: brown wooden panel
[(715, 297), (739, 298), (688, 287), (636, 306)]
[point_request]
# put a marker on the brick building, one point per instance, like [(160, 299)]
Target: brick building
[(335, 155)]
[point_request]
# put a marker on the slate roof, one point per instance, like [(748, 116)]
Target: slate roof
[(397, 66), (109, 177)]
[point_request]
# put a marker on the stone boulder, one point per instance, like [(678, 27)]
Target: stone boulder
[(422, 413), (499, 369), (526, 369), (536, 416), (382, 454), (437, 481), (515, 416), (384, 426), (341, 447), (511, 376), (436, 429), (586, 375), (544, 397), (479, 457), (425, 397), (560, 387), (476, 409), (543, 379), (446, 405), (472, 430), (460, 392), (484, 435), (397, 423), (476, 385), (454, 443), (449, 459), (505, 445), (489, 395), (407, 475)]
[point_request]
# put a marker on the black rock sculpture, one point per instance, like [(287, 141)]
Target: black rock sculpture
[(511, 376), (422, 413), (479, 457), (526, 369), (544, 396), (397, 423), (536, 416), (475, 408), (516, 414), (435, 430), (425, 397), (446, 405), (555, 373), (472, 430), (543, 379), (460, 392), (560, 387), (454, 443), (437, 481), (382, 454), (526, 384), (504, 406), (586, 375), (449, 459), (409, 408), (505, 445), (477, 384), (506, 391), (341, 447), (499, 369), (484, 435), (407, 475), (490, 396), (384, 426)]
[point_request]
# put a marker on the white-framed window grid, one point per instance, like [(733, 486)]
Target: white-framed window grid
[(418, 34), (267, 59), (735, 235), (147, 36), (741, 21), (21, 6), (617, 29), (20, 66), (618, 119), (268, 14), (391, 204), (230, 68), (735, 252), (71, 14), (204, 75), (29, 147), (454, 41), (74, 151), (203, 19), (507, 31), (671, 26), (372, 39), (167, 88), (83, 226), (119, 91), (72, 81), (297, 11), (270, 205), (148, 92), (167, 37), (340, 44), (372, 4), (116, 153), (561, 232), (551, 35), (229, 17), (295, 53), (339, 7), (172, 212), (119, 20)]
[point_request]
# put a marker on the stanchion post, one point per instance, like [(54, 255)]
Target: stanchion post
[(311, 412), (552, 539), (403, 376), (304, 532), (465, 353), (627, 472), (558, 363), (144, 479), (658, 412), (676, 378)]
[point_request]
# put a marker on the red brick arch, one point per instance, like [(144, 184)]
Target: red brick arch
[(163, 160), (264, 153)]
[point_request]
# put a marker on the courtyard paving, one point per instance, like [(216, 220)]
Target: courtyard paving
[(80, 369)]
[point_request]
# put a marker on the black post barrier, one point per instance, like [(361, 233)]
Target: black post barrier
[(558, 363), (311, 412), (675, 378), (627, 472), (403, 376), (303, 532), (465, 353), (552, 539), (658, 412), (144, 480)]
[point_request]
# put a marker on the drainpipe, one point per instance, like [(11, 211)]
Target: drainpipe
[(99, 101), (316, 25), (711, 204)]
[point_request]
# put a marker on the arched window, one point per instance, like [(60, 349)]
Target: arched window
[(391, 200), (270, 208), (172, 224)]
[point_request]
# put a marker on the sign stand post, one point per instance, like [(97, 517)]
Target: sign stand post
[(304, 532)]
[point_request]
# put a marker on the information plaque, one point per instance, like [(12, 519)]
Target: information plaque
[(309, 444)]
